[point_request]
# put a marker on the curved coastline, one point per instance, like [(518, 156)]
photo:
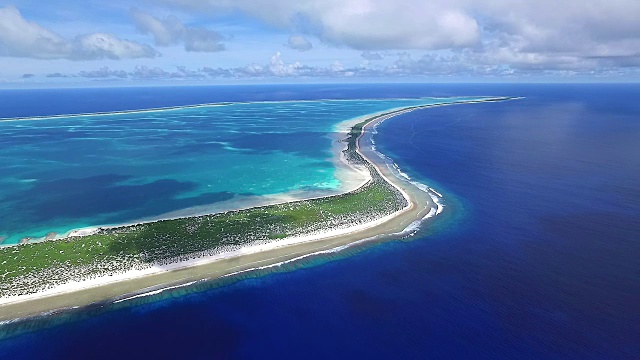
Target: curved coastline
[(421, 204)]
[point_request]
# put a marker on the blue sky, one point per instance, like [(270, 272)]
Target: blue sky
[(120, 42)]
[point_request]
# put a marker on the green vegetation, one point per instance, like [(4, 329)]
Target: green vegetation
[(30, 268)]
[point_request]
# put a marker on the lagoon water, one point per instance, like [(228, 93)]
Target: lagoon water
[(64, 173), (536, 256)]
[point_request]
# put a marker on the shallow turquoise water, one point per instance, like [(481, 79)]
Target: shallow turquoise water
[(64, 173)]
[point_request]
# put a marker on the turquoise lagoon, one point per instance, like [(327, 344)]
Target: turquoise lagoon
[(67, 172)]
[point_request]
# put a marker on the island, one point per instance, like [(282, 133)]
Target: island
[(123, 261)]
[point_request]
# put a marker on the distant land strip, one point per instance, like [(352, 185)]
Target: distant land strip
[(193, 106)]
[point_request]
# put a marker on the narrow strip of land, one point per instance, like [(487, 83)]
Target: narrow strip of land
[(409, 204)]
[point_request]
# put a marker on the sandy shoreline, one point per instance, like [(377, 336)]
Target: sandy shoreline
[(421, 205)]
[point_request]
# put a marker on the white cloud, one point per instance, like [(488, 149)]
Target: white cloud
[(336, 67), (138, 72), (165, 32), (299, 42), (58, 75), (22, 38), (108, 46), (428, 66), (278, 67), (361, 24), (370, 56), (145, 72), (171, 31), (522, 33), (103, 72)]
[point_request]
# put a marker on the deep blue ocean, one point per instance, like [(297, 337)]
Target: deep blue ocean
[(536, 256)]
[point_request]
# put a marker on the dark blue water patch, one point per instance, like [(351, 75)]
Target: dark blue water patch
[(554, 213), (104, 195), (156, 336), (194, 148)]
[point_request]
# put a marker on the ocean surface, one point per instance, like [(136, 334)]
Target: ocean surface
[(536, 256)]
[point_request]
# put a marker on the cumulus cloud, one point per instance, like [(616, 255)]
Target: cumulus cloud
[(521, 33), (103, 72), (58, 75), (336, 67), (108, 46), (22, 38), (404, 66), (138, 72), (299, 42), (171, 31), (368, 55), (278, 67), (571, 35), (181, 72), (443, 65), (361, 24)]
